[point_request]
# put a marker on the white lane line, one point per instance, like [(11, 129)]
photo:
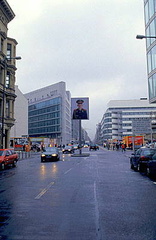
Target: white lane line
[(97, 215), (154, 183), (68, 171), (44, 191)]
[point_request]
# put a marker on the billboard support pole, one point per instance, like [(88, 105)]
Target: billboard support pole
[(80, 150)]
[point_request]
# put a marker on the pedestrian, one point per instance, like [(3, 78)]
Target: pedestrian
[(123, 146), (117, 146)]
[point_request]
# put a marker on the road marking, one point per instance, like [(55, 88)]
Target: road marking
[(68, 171), (97, 215), (44, 191), (154, 182)]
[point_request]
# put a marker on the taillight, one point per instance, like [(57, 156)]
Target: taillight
[(144, 158)]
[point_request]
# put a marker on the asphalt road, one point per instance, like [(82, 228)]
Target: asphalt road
[(78, 198)]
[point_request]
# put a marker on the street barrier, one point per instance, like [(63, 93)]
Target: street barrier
[(23, 154)]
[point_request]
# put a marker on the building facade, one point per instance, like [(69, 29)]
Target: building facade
[(49, 113), (7, 74), (20, 127), (150, 30), (118, 119)]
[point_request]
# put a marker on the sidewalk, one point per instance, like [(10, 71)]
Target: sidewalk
[(127, 152), (25, 155)]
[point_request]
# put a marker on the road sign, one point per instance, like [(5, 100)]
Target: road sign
[(141, 125)]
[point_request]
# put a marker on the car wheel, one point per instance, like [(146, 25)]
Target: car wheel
[(14, 163), (148, 172), (138, 167), (2, 166), (132, 166)]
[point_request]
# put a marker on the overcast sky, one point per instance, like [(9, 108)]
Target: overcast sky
[(89, 44)]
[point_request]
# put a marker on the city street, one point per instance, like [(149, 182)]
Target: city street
[(77, 198)]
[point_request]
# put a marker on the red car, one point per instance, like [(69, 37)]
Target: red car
[(8, 157)]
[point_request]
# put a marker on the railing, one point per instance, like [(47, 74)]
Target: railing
[(23, 154)]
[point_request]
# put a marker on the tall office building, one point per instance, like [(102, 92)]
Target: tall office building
[(49, 113), (150, 30)]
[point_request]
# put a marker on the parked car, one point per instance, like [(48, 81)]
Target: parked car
[(68, 149), (93, 147), (151, 167), (140, 158), (8, 157), (50, 154)]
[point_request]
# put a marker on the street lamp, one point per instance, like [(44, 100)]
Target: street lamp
[(143, 36), (4, 61)]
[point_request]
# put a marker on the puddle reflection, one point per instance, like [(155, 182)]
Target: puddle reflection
[(44, 169)]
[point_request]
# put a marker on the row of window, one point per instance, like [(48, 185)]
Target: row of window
[(44, 123), (45, 130), (150, 9), (44, 110), (150, 31), (152, 86), (44, 117), (151, 59), (45, 104)]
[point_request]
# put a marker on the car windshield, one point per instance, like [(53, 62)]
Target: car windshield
[(49, 149), (1, 152)]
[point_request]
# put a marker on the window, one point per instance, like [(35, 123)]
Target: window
[(152, 31), (148, 40), (1, 76), (1, 105), (7, 109), (151, 8), (8, 50), (7, 84), (149, 62), (146, 13), (2, 45), (153, 57)]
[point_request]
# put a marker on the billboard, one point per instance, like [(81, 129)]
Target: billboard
[(80, 108)]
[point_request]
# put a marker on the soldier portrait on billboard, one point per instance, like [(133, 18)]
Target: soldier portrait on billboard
[(80, 112)]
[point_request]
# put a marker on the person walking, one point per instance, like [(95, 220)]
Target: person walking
[(123, 146)]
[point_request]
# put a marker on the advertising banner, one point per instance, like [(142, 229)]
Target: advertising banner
[(80, 108)]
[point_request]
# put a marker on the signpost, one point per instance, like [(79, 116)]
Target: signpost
[(141, 126), (80, 111)]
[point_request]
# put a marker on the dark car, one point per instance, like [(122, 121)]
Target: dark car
[(68, 149), (93, 147), (8, 157), (50, 154), (140, 158), (151, 167)]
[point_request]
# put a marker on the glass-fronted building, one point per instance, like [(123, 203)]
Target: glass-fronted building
[(150, 30), (45, 118), (49, 113)]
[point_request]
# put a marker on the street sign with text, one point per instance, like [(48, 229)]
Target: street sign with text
[(141, 125)]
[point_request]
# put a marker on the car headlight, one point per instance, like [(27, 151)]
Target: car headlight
[(54, 155), (43, 155)]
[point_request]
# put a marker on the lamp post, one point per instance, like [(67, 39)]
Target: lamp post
[(143, 36), (4, 61)]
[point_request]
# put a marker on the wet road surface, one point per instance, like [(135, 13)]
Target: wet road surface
[(78, 198)]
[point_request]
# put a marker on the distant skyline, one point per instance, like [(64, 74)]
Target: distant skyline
[(89, 44)]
